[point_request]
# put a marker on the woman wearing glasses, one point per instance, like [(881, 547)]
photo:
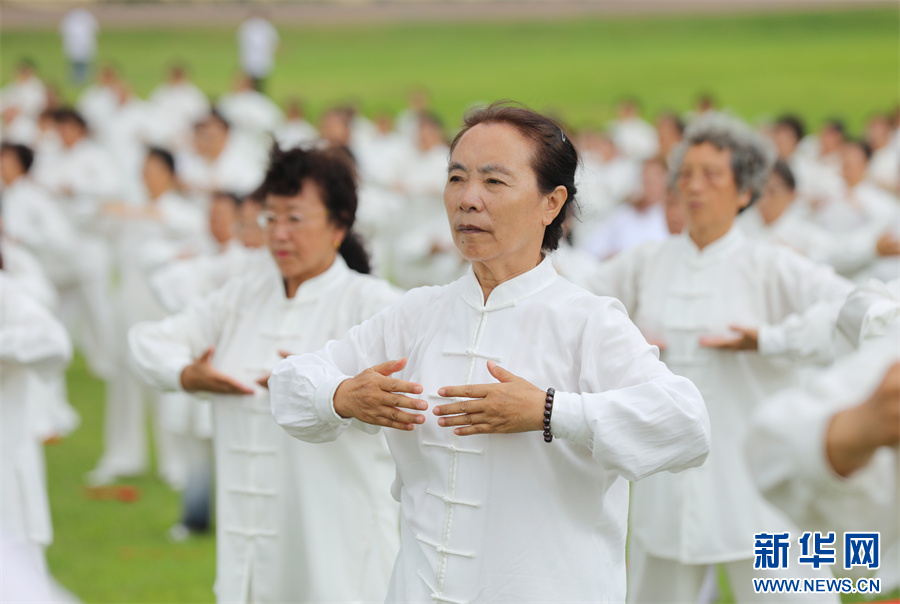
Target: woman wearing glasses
[(287, 529)]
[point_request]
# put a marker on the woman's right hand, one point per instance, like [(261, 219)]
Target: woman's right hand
[(201, 376), (373, 397)]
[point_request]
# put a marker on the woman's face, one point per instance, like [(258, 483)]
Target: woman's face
[(302, 239), (493, 203), (707, 189)]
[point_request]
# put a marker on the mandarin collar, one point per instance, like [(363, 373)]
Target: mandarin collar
[(313, 288), (507, 293), (721, 246)]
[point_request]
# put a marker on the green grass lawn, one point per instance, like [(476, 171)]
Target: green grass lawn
[(111, 551), (820, 64)]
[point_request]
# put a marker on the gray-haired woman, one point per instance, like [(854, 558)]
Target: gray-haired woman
[(735, 316)]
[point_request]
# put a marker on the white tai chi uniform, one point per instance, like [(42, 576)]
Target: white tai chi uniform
[(677, 293), (79, 179), (295, 522), (31, 339), (125, 450), (505, 517), (258, 41), (787, 456)]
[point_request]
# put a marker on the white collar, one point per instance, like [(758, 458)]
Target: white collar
[(721, 246), (313, 288), (507, 293)]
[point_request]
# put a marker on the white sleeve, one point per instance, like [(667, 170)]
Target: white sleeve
[(635, 415), (161, 350), (619, 276), (786, 443), (302, 387), (811, 295), (29, 335)]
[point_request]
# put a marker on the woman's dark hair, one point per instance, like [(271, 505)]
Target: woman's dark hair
[(164, 156), (66, 115), (783, 171), (554, 159), (331, 172), (23, 154), (794, 123), (860, 144)]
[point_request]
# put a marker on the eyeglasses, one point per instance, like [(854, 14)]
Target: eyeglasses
[(292, 221)]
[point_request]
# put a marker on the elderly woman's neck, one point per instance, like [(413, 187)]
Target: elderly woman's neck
[(703, 236), (492, 274)]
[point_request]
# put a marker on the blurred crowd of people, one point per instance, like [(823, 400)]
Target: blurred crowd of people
[(120, 210)]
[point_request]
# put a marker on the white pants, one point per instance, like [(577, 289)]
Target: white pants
[(652, 579)]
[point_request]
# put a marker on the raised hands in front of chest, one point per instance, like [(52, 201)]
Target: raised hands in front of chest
[(375, 397), (201, 376), (512, 405)]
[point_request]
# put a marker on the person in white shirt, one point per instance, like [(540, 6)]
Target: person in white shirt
[(31, 340), (423, 250), (80, 176), (21, 102), (482, 357), (167, 220), (79, 30), (633, 136), (180, 104), (257, 43), (669, 131), (606, 178), (642, 218), (882, 138), (249, 111), (779, 218), (825, 452), (98, 101), (26, 92), (296, 131), (32, 218), (221, 160), (295, 522), (721, 307), (407, 122), (815, 183)]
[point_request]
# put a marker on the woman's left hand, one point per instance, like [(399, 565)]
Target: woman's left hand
[(747, 340), (513, 405)]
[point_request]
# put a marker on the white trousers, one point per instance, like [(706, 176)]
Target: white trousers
[(652, 579)]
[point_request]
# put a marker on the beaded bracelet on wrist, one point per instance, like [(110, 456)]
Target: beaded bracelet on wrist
[(548, 411)]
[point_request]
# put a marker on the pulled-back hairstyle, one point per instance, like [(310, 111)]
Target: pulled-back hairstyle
[(24, 154), (334, 178), (554, 158), (752, 156)]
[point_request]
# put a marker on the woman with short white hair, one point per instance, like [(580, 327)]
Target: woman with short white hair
[(724, 311)]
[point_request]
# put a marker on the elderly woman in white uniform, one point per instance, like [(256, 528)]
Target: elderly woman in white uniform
[(295, 522), (720, 307), (491, 510)]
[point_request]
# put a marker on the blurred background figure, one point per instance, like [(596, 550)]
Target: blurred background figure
[(633, 135), (79, 30), (21, 103), (179, 105), (642, 218), (257, 43)]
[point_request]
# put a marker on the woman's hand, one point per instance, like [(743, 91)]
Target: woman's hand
[(854, 434), (513, 405), (748, 340), (201, 376), (264, 381), (373, 397)]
